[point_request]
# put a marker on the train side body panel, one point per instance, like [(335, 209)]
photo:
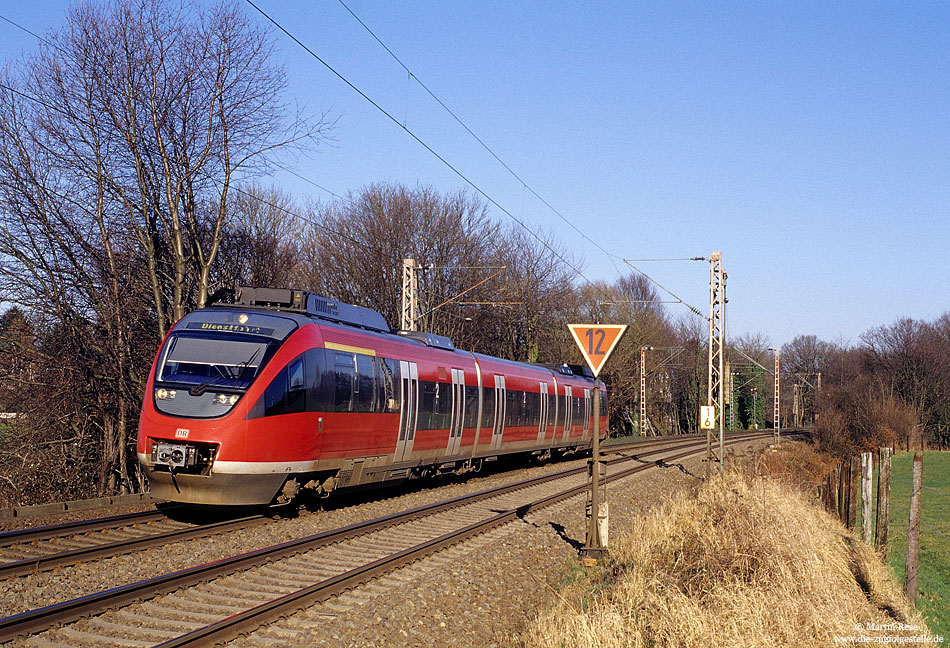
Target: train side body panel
[(331, 405)]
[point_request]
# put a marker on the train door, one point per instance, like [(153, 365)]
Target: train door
[(553, 416), (587, 407), (543, 424), (409, 409), (458, 412), (500, 406), (568, 406)]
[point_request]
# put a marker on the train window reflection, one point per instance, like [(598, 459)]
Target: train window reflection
[(223, 361)]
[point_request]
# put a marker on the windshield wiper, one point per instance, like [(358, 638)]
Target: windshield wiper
[(200, 389), (245, 365)]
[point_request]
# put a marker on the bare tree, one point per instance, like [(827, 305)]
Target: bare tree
[(262, 245), (122, 142), (802, 360), (537, 286), (355, 249), (161, 108)]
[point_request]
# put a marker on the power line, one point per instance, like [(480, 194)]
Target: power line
[(421, 142), (666, 290), (576, 270), (207, 176), (678, 259), (477, 138), (33, 34)]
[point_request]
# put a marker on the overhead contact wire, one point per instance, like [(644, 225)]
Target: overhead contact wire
[(478, 139), (420, 141)]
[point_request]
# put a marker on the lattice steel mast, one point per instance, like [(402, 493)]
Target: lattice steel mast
[(714, 394), (776, 420), (410, 295)]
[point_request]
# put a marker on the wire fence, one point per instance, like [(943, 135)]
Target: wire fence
[(923, 555)]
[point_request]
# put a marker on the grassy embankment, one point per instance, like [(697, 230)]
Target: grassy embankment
[(933, 581), (748, 561)]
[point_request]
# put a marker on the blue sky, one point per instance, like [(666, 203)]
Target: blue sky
[(808, 141)]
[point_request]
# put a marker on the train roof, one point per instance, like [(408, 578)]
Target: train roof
[(312, 306), (307, 303)]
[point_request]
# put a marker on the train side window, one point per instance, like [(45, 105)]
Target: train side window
[(512, 415), (488, 407), (345, 371), (443, 401), (388, 378), (296, 387), (471, 406), (274, 395), (428, 404), (364, 386), (318, 400)]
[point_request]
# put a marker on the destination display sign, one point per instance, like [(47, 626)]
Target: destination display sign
[(230, 328)]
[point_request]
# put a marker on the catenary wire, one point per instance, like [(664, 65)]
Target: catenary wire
[(207, 176), (426, 146), (444, 106), (478, 139)]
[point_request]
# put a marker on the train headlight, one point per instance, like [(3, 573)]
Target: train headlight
[(165, 394), (226, 399)]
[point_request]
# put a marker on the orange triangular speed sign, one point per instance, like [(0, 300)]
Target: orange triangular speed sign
[(597, 342)]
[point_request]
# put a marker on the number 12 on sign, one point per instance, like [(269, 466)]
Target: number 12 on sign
[(597, 342)]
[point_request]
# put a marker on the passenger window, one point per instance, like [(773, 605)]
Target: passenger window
[(471, 406), (274, 395), (345, 377), (364, 385), (386, 382), (296, 389), (296, 375), (488, 407)]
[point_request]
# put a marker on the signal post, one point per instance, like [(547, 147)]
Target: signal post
[(596, 342)]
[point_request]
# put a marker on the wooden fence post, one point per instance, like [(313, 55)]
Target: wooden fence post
[(844, 479), (854, 491), (834, 495), (913, 531), (883, 498), (830, 501), (867, 464)]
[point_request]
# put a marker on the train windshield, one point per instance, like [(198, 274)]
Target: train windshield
[(211, 361)]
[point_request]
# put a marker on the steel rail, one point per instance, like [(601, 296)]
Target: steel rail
[(265, 613), (36, 564), (33, 534), (65, 612)]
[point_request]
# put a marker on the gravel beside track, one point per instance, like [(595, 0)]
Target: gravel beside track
[(13, 523), (479, 594), (39, 590), (476, 594)]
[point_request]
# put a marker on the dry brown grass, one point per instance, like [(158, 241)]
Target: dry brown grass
[(742, 561)]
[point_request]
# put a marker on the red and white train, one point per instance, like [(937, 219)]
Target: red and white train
[(247, 403)]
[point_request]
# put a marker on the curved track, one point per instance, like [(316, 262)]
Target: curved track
[(211, 603), (27, 551)]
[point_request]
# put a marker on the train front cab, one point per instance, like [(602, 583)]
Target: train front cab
[(203, 437)]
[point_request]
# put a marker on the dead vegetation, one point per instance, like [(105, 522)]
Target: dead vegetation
[(748, 560)]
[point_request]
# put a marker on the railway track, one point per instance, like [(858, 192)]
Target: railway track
[(211, 603), (28, 551)]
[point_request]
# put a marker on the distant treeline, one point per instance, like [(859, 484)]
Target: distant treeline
[(134, 153)]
